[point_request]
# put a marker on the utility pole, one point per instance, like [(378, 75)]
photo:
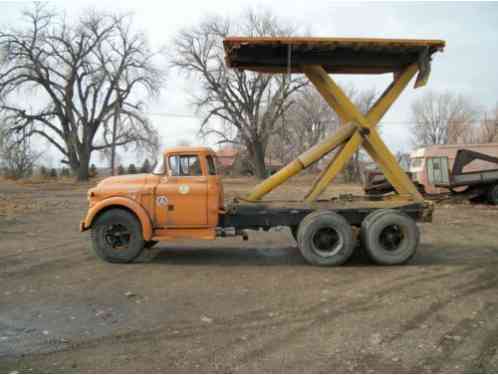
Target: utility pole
[(117, 110)]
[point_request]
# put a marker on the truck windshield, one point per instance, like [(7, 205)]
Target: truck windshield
[(185, 165)]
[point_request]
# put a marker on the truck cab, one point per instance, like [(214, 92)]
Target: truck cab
[(181, 198), (187, 190)]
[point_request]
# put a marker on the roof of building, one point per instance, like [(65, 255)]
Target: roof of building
[(227, 152), (187, 149), (335, 55)]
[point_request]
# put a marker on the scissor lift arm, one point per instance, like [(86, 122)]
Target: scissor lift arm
[(316, 58)]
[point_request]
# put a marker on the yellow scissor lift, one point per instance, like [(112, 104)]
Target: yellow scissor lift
[(322, 228)]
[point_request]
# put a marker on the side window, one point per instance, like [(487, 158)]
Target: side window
[(174, 166), (185, 165), (437, 170), (211, 166)]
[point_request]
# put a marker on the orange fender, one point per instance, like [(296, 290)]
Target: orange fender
[(133, 206)]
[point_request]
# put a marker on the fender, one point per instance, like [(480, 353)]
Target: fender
[(133, 206)]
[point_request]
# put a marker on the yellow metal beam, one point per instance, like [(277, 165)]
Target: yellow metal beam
[(339, 162), (301, 162), (343, 106)]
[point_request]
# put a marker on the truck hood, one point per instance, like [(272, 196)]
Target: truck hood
[(124, 182), (132, 179)]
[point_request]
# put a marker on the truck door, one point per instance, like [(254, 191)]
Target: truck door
[(181, 197)]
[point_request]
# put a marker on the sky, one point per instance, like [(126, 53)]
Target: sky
[(468, 66)]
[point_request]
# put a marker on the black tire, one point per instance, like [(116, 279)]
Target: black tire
[(117, 236), (373, 216), (389, 237), (492, 195), (150, 244), (325, 239)]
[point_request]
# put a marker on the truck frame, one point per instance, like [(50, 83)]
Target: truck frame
[(184, 197)]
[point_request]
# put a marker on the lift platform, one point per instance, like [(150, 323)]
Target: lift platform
[(387, 224)]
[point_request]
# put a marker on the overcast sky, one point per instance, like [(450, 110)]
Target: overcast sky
[(468, 66)]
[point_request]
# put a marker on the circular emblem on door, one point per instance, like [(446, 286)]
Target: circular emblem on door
[(162, 200), (183, 189)]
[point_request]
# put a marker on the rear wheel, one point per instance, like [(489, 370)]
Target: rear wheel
[(325, 239), (389, 237), (117, 236), (492, 195)]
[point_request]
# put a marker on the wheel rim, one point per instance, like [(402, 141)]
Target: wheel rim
[(327, 242), (117, 236), (391, 237)]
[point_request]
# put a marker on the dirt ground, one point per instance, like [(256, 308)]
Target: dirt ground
[(230, 305)]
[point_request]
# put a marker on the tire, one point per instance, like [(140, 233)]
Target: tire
[(492, 195), (150, 244), (325, 239), (117, 236), (389, 237), (373, 216)]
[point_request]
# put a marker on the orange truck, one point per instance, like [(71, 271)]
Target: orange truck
[(183, 197)]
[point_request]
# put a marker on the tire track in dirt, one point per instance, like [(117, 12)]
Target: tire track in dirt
[(488, 349), (484, 281), (242, 322), (238, 323), (64, 261), (487, 280), (463, 329), (359, 305)]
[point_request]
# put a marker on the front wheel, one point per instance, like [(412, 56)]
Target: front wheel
[(117, 236)]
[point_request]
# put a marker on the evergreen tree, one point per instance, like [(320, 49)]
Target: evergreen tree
[(65, 172), (132, 169), (121, 170), (43, 171), (146, 167), (93, 170), (53, 173)]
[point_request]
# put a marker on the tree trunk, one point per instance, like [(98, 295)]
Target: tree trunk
[(82, 172), (258, 160)]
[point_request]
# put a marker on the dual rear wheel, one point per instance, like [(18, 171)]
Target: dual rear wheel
[(389, 237)]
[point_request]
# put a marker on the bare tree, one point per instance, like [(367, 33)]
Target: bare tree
[(363, 100), (251, 103), (17, 158), (403, 159), (308, 121), (442, 119), (488, 128), (79, 71)]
